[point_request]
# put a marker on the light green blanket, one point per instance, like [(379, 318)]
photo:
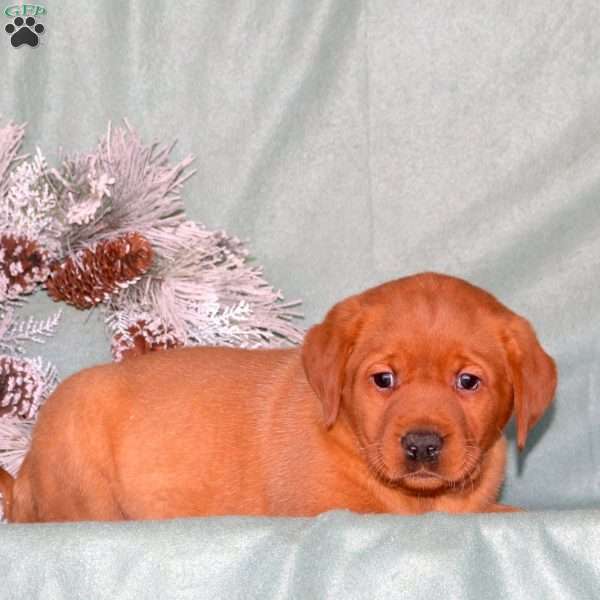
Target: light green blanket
[(337, 555), (351, 142)]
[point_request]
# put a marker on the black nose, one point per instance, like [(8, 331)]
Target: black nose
[(422, 446)]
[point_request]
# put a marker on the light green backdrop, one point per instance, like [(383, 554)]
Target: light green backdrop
[(352, 142)]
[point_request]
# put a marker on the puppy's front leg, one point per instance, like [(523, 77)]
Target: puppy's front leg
[(503, 508)]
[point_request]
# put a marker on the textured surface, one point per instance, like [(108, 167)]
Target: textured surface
[(352, 142), (337, 555)]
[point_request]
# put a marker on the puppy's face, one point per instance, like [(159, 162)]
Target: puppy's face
[(427, 370)]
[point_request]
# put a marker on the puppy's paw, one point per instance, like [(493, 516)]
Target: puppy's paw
[(503, 508)]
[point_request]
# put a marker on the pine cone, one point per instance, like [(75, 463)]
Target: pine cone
[(21, 387), (23, 264), (143, 337), (92, 275)]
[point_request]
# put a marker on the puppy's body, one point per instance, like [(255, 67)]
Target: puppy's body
[(158, 437), (215, 431)]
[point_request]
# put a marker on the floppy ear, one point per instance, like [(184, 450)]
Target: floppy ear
[(533, 375), (325, 352)]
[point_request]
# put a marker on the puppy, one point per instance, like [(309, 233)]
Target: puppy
[(395, 403)]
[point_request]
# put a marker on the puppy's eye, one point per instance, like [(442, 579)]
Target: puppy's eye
[(385, 380), (468, 382)]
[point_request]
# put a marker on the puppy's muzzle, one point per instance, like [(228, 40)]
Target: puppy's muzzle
[(422, 446)]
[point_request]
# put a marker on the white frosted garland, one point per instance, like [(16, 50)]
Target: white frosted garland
[(198, 290)]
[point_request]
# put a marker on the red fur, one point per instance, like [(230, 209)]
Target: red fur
[(214, 431)]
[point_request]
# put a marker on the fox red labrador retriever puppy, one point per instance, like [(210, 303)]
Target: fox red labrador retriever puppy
[(395, 403)]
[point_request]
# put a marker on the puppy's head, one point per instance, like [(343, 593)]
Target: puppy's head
[(427, 370)]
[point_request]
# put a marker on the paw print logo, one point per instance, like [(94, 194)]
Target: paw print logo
[(24, 32)]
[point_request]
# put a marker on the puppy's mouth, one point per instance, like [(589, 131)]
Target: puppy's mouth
[(424, 478), (422, 474)]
